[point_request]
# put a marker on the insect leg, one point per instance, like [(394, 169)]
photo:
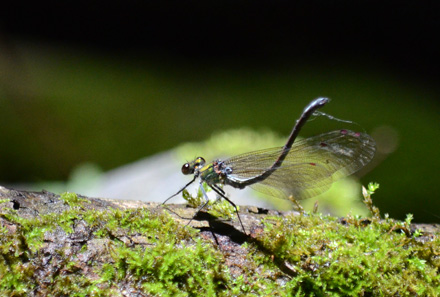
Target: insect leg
[(180, 190), (220, 192)]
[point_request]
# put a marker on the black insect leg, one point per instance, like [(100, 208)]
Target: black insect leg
[(220, 192), (180, 190)]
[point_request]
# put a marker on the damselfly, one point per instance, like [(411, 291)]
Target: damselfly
[(298, 170)]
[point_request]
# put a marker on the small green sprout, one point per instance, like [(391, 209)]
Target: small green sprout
[(409, 218), (72, 199), (217, 208), (372, 187), (222, 209), (417, 233), (199, 199)]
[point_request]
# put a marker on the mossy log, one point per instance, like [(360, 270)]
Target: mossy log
[(70, 245)]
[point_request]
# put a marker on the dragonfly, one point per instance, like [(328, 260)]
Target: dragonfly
[(295, 171)]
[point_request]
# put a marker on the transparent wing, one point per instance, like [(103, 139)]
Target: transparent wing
[(310, 167)]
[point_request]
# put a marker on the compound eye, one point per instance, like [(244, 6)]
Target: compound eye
[(200, 161), (187, 169)]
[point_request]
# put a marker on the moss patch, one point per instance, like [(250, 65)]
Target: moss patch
[(353, 257), (84, 251), (145, 252)]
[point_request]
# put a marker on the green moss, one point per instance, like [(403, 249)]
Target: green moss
[(357, 258), (167, 262), (72, 199), (307, 255), (218, 208)]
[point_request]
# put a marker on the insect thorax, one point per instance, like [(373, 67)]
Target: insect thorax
[(215, 173)]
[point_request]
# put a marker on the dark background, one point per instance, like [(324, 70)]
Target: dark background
[(400, 35), (112, 82)]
